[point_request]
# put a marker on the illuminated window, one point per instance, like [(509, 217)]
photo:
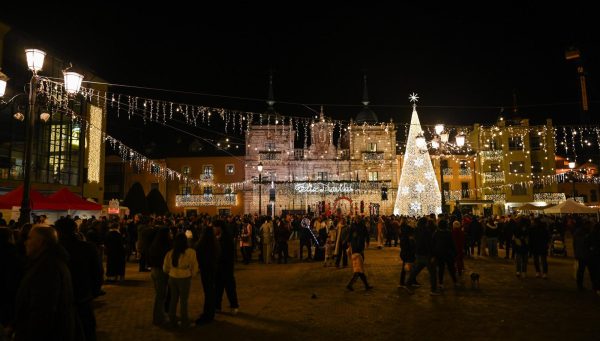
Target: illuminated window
[(535, 141), (186, 170), (517, 167), (208, 170), (519, 189), (464, 186), (372, 147), (185, 190), (270, 146), (229, 169), (322, 176), (373, 176), (515, 143)]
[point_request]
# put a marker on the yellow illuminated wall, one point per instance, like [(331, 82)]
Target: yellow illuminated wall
[(94, 144)]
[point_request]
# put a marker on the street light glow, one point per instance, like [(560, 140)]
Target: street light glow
[(35, 59)]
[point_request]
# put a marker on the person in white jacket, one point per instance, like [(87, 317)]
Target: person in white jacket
[(181, 265)]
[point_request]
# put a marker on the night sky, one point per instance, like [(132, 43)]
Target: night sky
[(464, 63)]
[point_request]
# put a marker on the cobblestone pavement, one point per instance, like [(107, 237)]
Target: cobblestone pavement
[(276, 303)]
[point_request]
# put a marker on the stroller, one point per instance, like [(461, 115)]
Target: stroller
[(557, 244)]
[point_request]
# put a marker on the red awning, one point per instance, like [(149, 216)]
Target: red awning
[(68, 200), (38, 201)]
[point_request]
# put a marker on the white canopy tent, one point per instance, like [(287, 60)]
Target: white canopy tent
[(571, 206)]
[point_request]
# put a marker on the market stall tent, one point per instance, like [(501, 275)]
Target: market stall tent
[(38, 201), (570, 206), (68, 201)]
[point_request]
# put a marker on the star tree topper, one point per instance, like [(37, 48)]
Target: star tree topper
[(414, 98)]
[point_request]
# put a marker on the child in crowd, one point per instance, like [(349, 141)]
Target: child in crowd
[(358, 268)]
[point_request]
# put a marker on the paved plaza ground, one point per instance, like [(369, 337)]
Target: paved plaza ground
[(276, 303)]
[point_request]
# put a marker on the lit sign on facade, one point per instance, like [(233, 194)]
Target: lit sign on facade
[(324, 187)]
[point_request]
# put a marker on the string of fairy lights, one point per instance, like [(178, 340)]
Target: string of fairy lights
[(485, 141)]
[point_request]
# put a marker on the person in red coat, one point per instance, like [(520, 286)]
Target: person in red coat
[(458, 236)]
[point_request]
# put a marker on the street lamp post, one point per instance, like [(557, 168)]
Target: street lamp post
[(572, 167), (72, 82), (35, 62), (260, 169), (441, 145)]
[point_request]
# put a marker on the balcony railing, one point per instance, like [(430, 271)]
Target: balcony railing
[(464, 172), (344, 154), (448, 172), (493, 177), (491, 155), (191, 200), (298, 154), (499, 198), (550, 198), (372, 156), (269, 155), (206, 177)]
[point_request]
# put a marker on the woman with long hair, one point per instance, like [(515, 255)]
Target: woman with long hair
[(181, 265)]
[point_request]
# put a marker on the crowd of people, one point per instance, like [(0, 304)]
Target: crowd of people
[(52, 273)]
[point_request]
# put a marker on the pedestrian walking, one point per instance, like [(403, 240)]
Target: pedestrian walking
[(161, 244), (358, 270), (225, 279), (407, 250), (521, 246), (207, 251)]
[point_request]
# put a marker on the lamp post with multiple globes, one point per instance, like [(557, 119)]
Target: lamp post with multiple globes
[(260, 169), (441, 146), (72, 83)]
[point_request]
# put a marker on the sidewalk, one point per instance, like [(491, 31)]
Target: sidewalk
[(275, 302)]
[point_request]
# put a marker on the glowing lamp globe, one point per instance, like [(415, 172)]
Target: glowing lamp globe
[(572, 164), (3, 81), (35, 59), (260, 167), (444, 137), (421, 142), (72, 81), (460, 140), (439, 128)]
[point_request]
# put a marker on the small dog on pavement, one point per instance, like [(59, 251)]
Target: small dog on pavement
[(474, 280)]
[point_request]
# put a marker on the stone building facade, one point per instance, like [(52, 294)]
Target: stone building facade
[(347, 168)]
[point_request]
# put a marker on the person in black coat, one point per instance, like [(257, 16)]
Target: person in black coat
[(586, 246), (11, 270), (476, 235), (225, 279), (539, 239), (86, 273), (444, 252), (45, 306), (115, 253), (423, 254), (161, 244), (207, 252), (407, 250)]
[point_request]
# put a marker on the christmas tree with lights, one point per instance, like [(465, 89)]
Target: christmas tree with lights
[(418, 191)]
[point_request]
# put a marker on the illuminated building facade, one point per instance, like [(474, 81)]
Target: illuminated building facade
[(345, 169)]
